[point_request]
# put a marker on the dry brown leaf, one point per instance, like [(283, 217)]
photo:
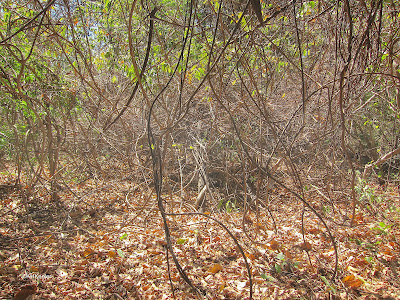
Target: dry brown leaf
[(361, 262), (348, 278), (352, 282), (162, 243), (26, 292), (215, 268), (222, 286), (155, 252), (274, 245), (250, 256), (314, 230), (87, 252), (306, 246), (112, 254), (34, 269)]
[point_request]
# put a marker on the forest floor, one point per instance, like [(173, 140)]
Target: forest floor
[(106, 241)]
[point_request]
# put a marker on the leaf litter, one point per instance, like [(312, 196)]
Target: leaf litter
[(109, 244)]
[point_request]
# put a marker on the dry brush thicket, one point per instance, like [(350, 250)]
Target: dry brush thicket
[(204, 103)]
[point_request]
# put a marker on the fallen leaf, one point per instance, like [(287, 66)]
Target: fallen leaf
[(348, 278), (121, 253), (215, 268), (306, 246), (112, 254), (314, 230), (34, 269), (87, 252), (181, 241), (26, 292), (162, 243), (274, 245), (352, 282), (250, 256)]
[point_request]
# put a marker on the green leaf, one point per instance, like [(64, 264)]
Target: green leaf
[(123, 237), (328, 284), (278, 268), (181, 241), (280, 256), (369, 259), (267, 277), (121, 253)]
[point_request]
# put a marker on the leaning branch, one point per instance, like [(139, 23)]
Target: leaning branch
[(380, 161)]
